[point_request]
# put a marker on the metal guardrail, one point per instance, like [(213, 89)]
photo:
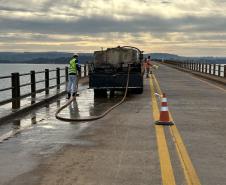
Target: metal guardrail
[(202, 67), (16, 86)]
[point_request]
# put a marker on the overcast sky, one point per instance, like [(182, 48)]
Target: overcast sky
[(184, 27)]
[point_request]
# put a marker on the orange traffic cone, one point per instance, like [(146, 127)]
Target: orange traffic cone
[(164, 113)]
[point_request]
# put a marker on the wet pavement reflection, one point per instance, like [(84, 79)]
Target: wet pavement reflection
[(86, 105), (6, 109), (26, 140)]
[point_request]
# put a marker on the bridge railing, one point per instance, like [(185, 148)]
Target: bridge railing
[(60, 77), (202, 67)]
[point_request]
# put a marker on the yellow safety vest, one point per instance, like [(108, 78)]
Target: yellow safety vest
[(73, 66)]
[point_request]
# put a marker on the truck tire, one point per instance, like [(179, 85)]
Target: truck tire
[(112, 93), (137, 91), (100, 92)]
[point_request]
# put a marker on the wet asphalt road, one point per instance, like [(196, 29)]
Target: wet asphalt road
[(198, 108), (28, 139)]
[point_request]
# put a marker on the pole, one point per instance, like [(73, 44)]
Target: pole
[(47, 81), (15, 81)]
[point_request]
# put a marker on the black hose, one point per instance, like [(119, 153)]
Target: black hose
[(92, 118)]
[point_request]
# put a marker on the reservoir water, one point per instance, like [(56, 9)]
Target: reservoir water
[(7, 69)]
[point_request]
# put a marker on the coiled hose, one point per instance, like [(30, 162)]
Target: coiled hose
[(92, 118)]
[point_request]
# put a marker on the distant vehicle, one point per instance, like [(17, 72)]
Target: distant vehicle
[(110, 68)]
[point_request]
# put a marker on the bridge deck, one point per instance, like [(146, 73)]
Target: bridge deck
[(125, 147)]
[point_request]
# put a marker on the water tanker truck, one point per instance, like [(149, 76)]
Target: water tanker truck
[(109, 70)]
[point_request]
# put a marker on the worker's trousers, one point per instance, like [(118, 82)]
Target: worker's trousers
[(147, 70), (72, 84)]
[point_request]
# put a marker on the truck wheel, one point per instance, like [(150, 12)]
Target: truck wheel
[(137, 91), (100, 92), (112, 93)]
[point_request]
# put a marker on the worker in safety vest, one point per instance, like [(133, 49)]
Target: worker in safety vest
[(74, 67), (150, 64), (147, 65)]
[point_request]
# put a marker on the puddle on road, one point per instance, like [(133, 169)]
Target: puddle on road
[(86, 105)]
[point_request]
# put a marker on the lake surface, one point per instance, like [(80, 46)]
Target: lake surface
[(7, 69)]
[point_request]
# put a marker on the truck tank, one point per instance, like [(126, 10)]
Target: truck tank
[(110, 67)]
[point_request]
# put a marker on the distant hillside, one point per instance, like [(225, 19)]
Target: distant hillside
[(162, 56), (42, 57), (167, 56)]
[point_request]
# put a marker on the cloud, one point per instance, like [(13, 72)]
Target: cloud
[(66, 23), (100, 24)]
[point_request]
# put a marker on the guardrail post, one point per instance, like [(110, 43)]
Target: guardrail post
[(224, 71), (85, 70), (15, 81), (66, 74), (219, 70), (33, 83), (202, 68), (82, 71), (58, 77), (210, 66), (47, 81), (214, 69), (206, 68)]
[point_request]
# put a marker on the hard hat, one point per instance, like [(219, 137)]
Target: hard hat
[(75, 55)]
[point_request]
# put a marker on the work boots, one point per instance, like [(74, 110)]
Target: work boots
[(68, 95), (75, 94)]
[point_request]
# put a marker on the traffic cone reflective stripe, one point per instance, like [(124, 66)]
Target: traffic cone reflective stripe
[(164, 109), (164, 100), (164, 113)]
